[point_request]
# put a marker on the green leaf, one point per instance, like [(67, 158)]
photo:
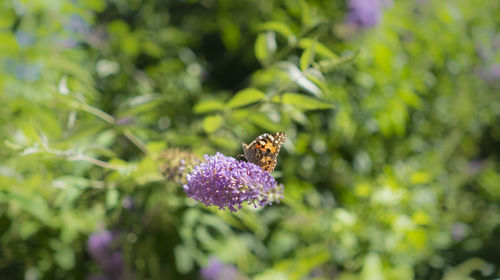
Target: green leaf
[(302, 102), (245, 97), (320, 82), (307, 56), (329, 65), (65, 257), (261, 51), (5, 223), (372, 267), (224, 142), (35, 205), (305, 13), (212, 123), (207, 106), (9, 44), (240, 115), (96, 5), (279, 27), (298, 77), (118, 27), (231, 34), (131, 44), (112, 196), (319, 48), (410, 97), (144, 103), (263, 122), (183, 259)]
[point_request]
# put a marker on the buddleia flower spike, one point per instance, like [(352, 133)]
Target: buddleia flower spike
[(227, 183)]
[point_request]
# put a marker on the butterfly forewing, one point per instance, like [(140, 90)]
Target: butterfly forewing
[(264, 150)]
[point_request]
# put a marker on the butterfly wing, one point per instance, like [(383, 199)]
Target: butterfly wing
[(264, 150)]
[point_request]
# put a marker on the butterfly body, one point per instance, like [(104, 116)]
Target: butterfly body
[(264, 150)]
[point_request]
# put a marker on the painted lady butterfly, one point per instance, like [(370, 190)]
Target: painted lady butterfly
[(264, 150)]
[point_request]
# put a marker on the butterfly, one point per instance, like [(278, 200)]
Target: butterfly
[(263, 151)]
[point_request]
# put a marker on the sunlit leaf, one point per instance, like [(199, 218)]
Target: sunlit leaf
[(298, 77), (183, 259), (320, 49), (372, 268), (65, 257), (305, 13), (112, 196), (9, 44), (245, 97), (307, 56), (265, 46), (417, 238), (96, 5), (212, 123), (143, 103), (260, 48), (208, 106), (224, 142), (280, 28), (262, 121), (302, 102), (420, 177), (331, 64)]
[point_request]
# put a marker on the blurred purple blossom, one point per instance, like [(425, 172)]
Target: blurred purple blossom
[(459, 231), (125, 120), (475, 166), (24, 71), (97, 37), (128, 203), (24, 39), (217, 270), (365, 13), (77, 24), (102, 248), (490, 73), (67, 43), (225, 182)]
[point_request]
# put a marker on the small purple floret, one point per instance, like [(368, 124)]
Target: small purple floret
[(225, 182), (364, 13), (110, 259), (217, 270)]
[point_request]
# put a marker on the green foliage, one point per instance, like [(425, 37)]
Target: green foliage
[(391, 165)]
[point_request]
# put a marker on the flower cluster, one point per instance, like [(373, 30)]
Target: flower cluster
[(176, 164), (216, 270), (101, 248), (364, 13), (225, 182)]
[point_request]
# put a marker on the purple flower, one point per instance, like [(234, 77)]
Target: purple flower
[(67, 43), (459, 231), (27, 72), (77, 24), (225, 182), (490, 73), (102, 249), (364, 13), (128, 203), (24, 39), (216, 270)]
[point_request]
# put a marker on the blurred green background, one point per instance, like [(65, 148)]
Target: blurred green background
[(391, 166)]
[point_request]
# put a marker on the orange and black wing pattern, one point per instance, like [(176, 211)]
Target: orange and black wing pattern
[(264, 150)]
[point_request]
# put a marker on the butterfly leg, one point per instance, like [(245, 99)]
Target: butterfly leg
[(241, 157)]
